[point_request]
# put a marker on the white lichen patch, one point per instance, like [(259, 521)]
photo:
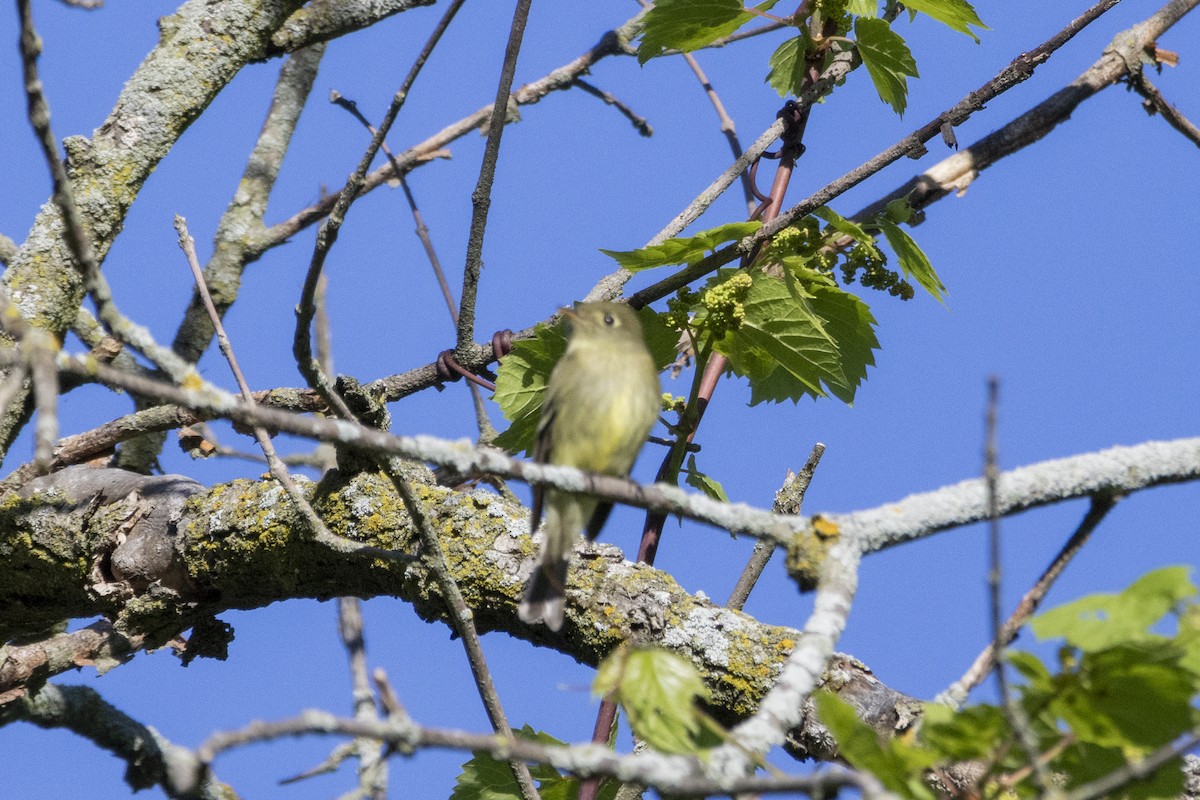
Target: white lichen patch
[(705, 630)]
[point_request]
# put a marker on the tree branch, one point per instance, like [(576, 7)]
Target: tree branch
[(151, 759), (44, 280)]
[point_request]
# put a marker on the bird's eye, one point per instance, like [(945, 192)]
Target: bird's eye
[(608, 319)]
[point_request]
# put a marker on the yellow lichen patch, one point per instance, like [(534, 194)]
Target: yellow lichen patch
[(825, 527)]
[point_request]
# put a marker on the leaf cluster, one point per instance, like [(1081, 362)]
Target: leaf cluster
[(1127, 678), (686, 25)]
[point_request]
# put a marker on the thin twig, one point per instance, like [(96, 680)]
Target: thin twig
[(327, 235), (613, 42), (788, 500), (461, 618), (486, 431), (481, 198), (639, 122), (1156, 103), (372, 770), (242, 222), (319, 530), (1008, 702), (78, 241), (151, 758), (670, 774), (956, 693), (1135, 770), (727, 126), (1016, 72)]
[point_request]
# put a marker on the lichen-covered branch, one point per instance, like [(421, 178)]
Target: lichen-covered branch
[(159, 555), (243, 218), (201, 48), (322, 20)]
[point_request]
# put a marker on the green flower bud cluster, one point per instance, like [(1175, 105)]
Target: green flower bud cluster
[(836, 10), (679, 309), (674, 403), (875, 275), (723, 303), (802, 239)]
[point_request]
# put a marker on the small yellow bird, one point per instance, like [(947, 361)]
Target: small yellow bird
[(602, 399)]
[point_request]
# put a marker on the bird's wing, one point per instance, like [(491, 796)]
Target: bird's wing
[(542, 445)]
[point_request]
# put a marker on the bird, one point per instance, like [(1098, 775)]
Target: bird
[(602, 399)]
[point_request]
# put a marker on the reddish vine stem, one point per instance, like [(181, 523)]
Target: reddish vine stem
[(714, 369)]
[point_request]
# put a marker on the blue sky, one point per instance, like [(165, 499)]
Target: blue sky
[(1071, 268)]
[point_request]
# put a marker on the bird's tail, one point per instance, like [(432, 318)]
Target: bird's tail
[(545, 594)]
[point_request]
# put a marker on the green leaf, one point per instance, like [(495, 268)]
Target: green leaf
[(1100, 621), (1134, 697), (1082, 763), (800, 339), (863, 8), (844, 226), (969, 734), (521, 379), (787, 65), (1032, 669), (913, 260), (521, 385), (658, 690), (661, 338), (899, 210), (704, 483), (690, 24), (485, 777), (957, 14), (899, 766), (682, 251), (887, 59)]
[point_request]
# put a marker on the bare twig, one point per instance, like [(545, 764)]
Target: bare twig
[(956, 693), (481, 198), (278, 470), (670, 774), (486, 432), (613, 42), (460, 617), (788, 500), (77, 238), (242, 223), (639, 122), (727, 126), (1015, 714), (310, 368), (1156, 103), (372, 769), (1135, 770), (152, 759)]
